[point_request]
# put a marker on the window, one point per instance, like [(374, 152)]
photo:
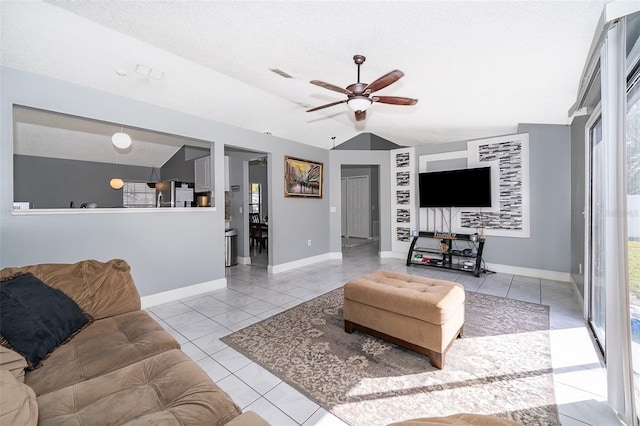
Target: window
[(613, 253), (255, 198), (633, 217), (597, 231), (138, 194)]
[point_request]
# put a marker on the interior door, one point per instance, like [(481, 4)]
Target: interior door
[(358, 205)]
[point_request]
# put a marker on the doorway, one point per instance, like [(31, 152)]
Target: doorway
[(359, 201), (258, 208)]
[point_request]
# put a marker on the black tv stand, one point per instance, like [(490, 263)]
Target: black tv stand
[(449, 255)]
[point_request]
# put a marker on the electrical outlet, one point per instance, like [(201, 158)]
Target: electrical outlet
[(309, 243), (580, 268)]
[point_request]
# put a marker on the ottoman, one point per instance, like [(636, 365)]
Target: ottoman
[(458, 420), (422, 314)]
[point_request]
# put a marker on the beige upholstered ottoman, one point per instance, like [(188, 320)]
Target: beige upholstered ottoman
[(423, 314), (458, 420)]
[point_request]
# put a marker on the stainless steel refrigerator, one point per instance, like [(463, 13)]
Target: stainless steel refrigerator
[(173, 193)]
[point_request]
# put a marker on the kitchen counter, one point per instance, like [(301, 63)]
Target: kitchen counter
[(107, 210)]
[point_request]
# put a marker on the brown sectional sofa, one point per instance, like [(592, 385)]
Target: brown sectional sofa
[(122, 368)]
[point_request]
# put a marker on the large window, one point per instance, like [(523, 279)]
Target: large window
[(612, 292), (255, 199), (597, 195), (633, 218)]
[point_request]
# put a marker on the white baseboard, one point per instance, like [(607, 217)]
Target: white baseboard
[(579, 297), (276, 269), (530, 272), (244, 260), (182, 292), (335, 255), (392, 255)]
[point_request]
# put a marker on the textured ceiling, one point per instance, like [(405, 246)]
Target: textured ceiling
[(478, 68)]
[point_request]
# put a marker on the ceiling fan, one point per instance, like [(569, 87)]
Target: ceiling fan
[(358, 93)]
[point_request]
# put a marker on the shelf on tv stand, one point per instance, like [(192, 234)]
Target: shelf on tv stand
[(418, 256)]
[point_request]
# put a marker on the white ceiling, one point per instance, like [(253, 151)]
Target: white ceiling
[(478, 68)]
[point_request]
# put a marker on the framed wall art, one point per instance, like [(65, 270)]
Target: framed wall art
[(302, 178)]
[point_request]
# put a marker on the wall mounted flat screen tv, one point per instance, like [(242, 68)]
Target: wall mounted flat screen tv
[(456, 188)]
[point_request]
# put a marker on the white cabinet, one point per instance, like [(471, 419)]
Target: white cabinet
[(227, 186), (202, 167)]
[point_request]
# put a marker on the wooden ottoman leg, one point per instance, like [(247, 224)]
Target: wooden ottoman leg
[(436, 359), (348, 326)]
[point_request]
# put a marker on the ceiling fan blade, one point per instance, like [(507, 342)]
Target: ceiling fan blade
[(331, 87), (327, 105), (394, 100), (384, 81), (361, 115)]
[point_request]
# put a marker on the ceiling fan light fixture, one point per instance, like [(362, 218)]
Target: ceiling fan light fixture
[(121, 140), (359, 103)]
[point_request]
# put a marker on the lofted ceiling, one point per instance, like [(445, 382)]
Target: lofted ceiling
[(478, 68)]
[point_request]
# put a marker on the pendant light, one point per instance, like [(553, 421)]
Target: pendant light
[(121, 139), (116, 182)]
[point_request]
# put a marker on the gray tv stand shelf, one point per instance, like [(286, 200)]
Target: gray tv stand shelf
[(447, 256)]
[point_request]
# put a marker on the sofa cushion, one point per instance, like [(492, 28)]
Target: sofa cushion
[(166, 389), (105, 345), (101, 289), (18, 405), (35, 318), (13, 362)]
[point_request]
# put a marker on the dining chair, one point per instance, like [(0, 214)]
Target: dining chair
[(258, 235)]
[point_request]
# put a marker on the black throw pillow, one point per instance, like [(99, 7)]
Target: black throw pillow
[(35, 318)]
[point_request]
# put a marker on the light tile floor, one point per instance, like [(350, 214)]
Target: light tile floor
[(252, 295)]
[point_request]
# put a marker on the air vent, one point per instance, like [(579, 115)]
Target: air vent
[(280, 72), (149, 72)]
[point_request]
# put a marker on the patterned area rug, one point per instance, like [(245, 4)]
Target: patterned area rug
[(501, 366)]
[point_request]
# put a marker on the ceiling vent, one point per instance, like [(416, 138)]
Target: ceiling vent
[(280, 72), (149, 72)]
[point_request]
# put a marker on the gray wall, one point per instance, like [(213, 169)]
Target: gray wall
[(179, 167), (381, 143), (578, 200), (52, 183), (166, 249), (367, 142), (549, 247)]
